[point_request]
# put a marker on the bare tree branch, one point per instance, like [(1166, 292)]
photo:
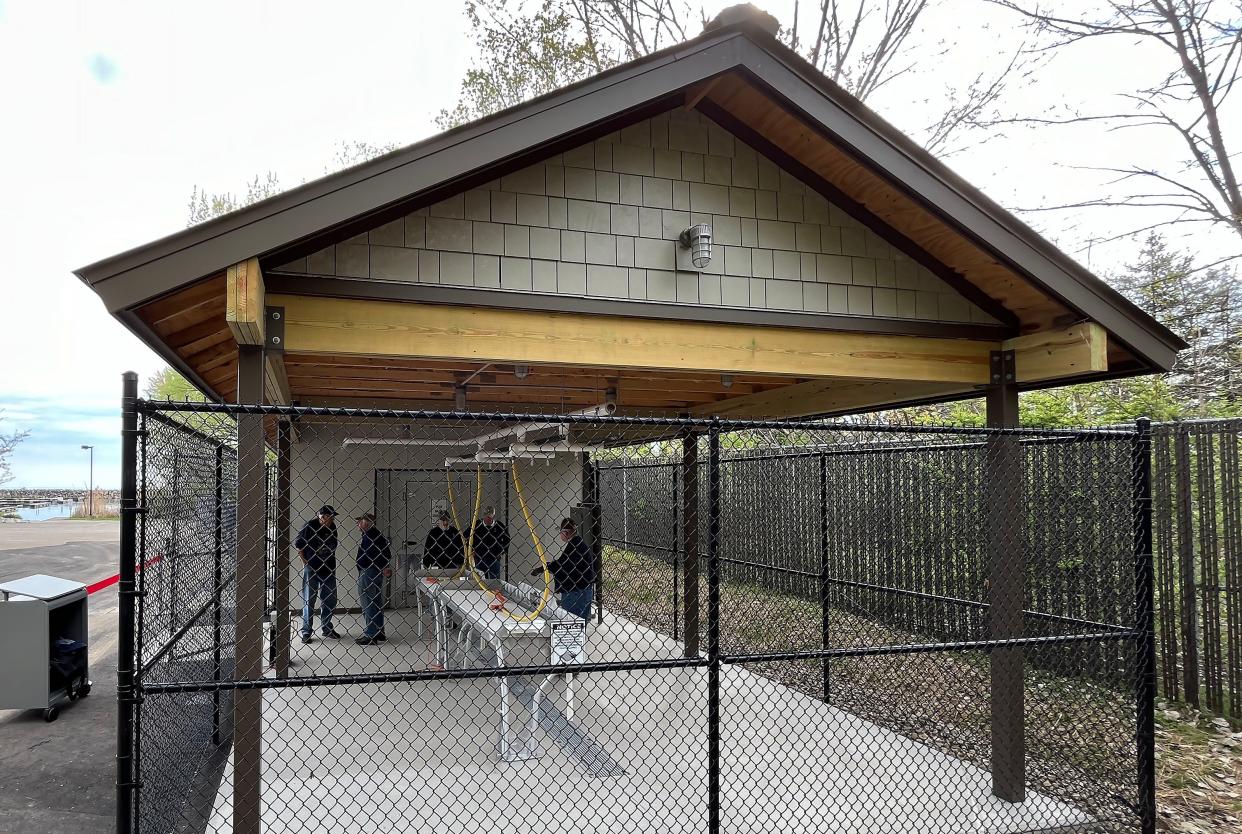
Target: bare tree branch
[(1203, 43)]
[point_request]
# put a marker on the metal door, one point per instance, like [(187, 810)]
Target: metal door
[(410, 502)]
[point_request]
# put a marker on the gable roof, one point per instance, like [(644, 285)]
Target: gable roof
[(738, 74)]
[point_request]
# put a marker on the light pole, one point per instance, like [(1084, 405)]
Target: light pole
[(90, 494)]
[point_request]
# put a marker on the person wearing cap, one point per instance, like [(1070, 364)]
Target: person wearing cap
[(316, 546), (442, 548), (374, 558), (574, 572), (491, 544)]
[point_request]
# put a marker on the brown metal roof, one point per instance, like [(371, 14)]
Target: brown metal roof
[(740, 72)]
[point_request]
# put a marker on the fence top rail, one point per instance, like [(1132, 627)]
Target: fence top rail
[(1223, 424), (694, 424), (895, 447), (202, 437)]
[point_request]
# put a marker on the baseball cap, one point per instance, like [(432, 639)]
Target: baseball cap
[(326, 509)]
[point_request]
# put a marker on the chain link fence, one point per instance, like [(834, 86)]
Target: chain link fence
[(1198, 536), (593, 623)]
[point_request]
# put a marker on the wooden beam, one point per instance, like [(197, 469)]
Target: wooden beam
[(277, 379), (696, 94), (827, 396), (1054, 354), (244, 302), (384, 328)]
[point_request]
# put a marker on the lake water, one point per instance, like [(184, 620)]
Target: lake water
[(47, 513)]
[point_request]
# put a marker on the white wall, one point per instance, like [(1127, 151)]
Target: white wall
[(324, 471)]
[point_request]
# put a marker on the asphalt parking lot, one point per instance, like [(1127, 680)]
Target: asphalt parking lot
[(60, 777)]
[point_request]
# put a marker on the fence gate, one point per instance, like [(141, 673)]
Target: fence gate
[(752, 627)]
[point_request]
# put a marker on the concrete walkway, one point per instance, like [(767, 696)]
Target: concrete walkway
[(61, 777), (422, 757)]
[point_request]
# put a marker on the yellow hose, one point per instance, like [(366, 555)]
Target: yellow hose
[(469, 545), (543, 557)]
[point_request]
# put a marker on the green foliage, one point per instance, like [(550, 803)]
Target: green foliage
[(170, 385), (349, 154), (206, 206), (522, 55)]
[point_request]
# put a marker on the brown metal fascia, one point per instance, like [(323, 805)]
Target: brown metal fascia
[(327, 237), (850, 125), (152, 340), (327, 286)]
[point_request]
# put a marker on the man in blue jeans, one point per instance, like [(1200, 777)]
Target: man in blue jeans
[(574, 572), (374, 559), (316, 545)]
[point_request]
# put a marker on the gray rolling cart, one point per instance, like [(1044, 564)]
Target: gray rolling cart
[(43, 644)]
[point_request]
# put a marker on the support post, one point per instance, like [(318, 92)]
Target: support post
[(251, 594), (690, 542), (284, 585), (1006, 580), (824, 601), (1186, 567), (713, 630), (1145, 625), (676, 553), (217, 576), (590, 499), (125, 694)]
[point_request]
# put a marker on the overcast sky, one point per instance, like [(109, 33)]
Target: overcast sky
[(113, 112)]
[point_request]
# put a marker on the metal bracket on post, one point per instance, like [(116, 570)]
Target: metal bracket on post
[(1002, 375), (274, 340)]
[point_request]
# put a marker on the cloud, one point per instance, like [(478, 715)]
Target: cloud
[(52, 455), (103, 68)]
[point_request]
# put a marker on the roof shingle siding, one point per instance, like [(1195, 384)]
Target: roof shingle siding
[(602, 220)]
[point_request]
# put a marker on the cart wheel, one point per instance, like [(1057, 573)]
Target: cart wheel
[(51, 714)]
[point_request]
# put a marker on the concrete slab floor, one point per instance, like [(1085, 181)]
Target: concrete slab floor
[(422, 757), (61, 777)]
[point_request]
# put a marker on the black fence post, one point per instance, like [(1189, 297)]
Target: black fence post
[(690, 541), (217, 576), (174, 540), (824, 601), (1144, 609), (1186, 567), (676, 547), (713, 629), (125, 695), (283, 592)]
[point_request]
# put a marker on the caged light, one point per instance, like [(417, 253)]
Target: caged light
[(698, 239)]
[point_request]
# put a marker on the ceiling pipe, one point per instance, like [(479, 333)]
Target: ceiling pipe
[(520, 432)]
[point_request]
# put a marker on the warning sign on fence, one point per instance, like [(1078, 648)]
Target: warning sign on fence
[(568, 643)]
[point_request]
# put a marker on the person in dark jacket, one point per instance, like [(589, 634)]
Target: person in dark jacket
[(442, 548), (316, 546), (374, 560), (574, 572), (491, 544)]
